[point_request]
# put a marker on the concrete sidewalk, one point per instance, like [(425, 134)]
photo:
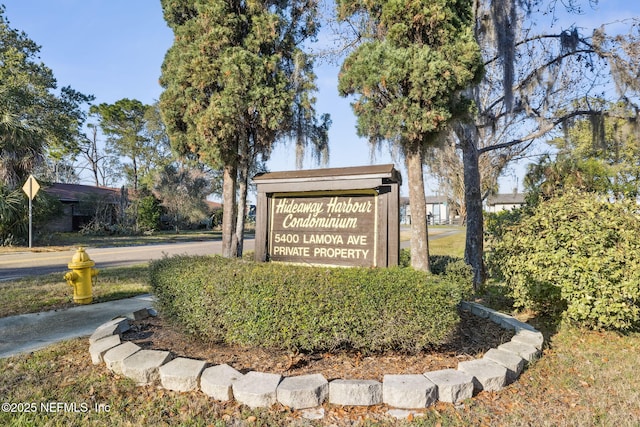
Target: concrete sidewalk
[(28, 332)]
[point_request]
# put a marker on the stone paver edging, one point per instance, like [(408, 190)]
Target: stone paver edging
[(496, 369)]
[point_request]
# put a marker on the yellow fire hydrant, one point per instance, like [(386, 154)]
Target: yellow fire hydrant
[(81, 276)]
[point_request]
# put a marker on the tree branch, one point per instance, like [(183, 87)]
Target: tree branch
[(541, 131), (526, 80)]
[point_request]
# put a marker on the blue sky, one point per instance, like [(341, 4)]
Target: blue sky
[(113, 49)]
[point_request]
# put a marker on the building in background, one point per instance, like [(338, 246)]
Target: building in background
[(83, 204), (438, 211), (503, 202), (441, 211)]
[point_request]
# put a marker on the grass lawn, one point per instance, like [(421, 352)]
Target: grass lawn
[(42, 293), (585, 378), (452, 245), (65, 241), (76, 239)]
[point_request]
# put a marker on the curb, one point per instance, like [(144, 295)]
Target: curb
[(499, 367)]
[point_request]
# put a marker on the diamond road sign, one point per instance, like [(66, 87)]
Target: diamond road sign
[(31, 187)]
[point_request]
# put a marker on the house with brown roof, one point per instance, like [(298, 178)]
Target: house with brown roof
[(84, 203)]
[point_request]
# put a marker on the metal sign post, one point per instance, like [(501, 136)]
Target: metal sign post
[(31, 188)]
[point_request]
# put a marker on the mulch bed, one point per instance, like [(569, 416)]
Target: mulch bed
[(472, 339)]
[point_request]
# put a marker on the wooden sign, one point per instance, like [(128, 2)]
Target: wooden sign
[(327, 228), (339, 217)]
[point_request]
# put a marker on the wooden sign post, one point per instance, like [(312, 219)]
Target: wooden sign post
[(31, 188), (339, 217)]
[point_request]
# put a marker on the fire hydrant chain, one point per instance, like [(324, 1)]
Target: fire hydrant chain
[(81, 276)]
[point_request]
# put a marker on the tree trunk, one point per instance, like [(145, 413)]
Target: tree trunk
[(228, 210), (243, 181), (419, 240), (135, 173), (95, 174), (474, 247), (240, 217), (91, 154)]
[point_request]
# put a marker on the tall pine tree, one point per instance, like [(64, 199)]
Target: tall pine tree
[(407, 76), (230, 84)]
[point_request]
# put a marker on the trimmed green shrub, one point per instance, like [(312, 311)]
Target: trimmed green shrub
[(405, 258), (307, 308), (578, 256)]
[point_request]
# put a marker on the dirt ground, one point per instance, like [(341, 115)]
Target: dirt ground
[(472, 339)]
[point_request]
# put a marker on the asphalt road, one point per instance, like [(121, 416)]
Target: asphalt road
[(21, 264), (16, 265)]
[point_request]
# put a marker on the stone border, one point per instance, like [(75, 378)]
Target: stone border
[(496, 369)]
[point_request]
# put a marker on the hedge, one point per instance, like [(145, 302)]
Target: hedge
[(308, 308), (576, 256)]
